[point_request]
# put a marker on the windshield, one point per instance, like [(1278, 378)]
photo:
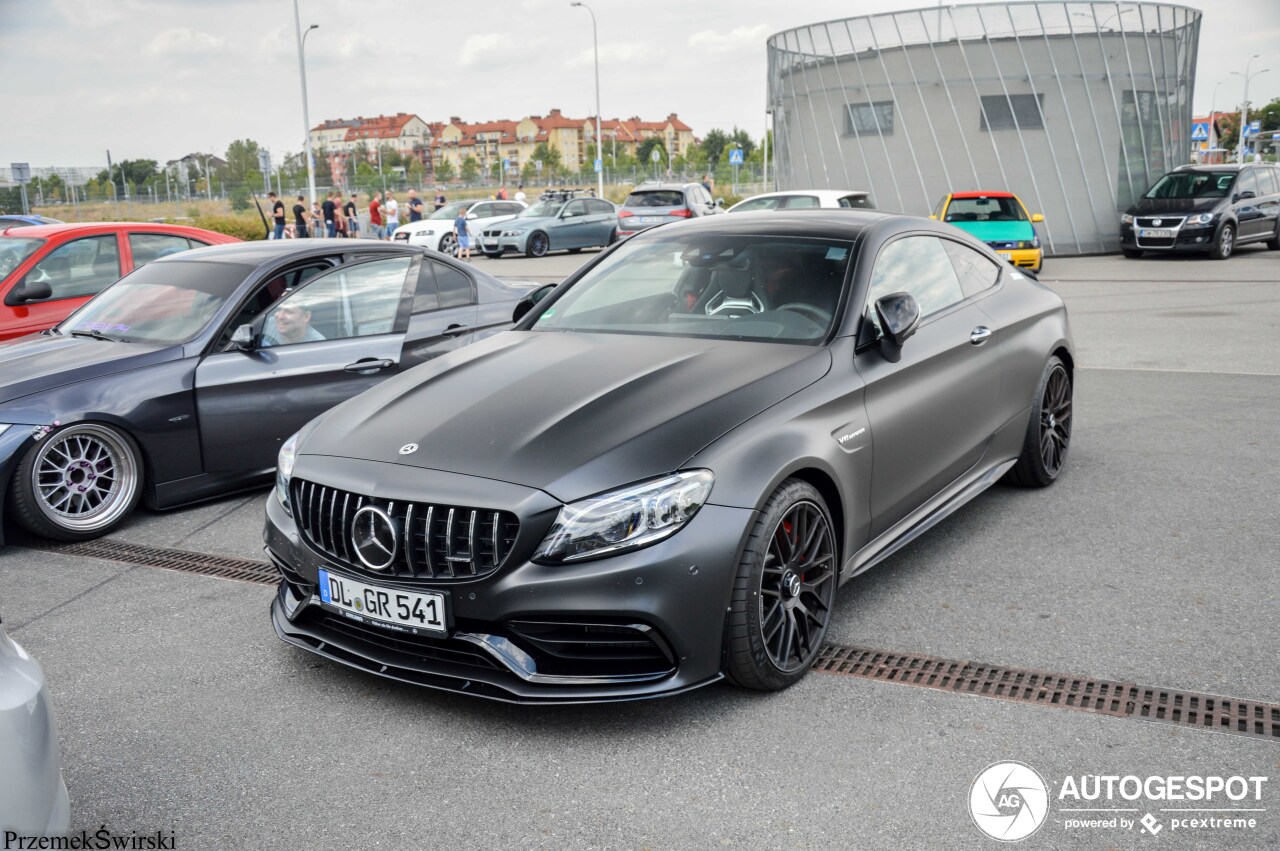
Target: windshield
[(985, 210), (450, 211), (768, 289), (14, 250), (548, 209), (1193, 184), (165, 302)]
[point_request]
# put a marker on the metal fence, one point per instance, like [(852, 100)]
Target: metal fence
[(1077, 107)]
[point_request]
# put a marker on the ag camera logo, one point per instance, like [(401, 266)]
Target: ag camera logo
[(1009, 801)]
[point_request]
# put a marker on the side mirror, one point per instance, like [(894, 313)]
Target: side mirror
[(471, 216), (242, 339), (899, 316), (28, 290), (1245, 195), (1037, 218), (524, 305)]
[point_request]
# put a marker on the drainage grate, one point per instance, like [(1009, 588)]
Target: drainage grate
[(1045, 688), (205, 564)]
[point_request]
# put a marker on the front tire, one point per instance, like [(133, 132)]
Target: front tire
[(538, 245), (1225, 243), (1044, 450), (1274, 242), (77, 483), (783, 592)]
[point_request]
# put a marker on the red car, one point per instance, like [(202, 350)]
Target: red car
[(47, 271)]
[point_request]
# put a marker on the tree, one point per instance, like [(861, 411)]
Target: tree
[(713, 146), (444, 171), (240, 198), (324, 170), (470, 170), (644, 150), (1269, 115), (242, 162), (550, 157), (129, 171), (742, 139)]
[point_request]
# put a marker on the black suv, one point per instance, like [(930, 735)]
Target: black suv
[(1211, 208)]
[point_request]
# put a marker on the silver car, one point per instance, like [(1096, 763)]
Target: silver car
[(33, 796), (653, 204), (562, 219)]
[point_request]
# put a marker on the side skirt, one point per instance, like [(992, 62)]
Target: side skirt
[(923, 519)]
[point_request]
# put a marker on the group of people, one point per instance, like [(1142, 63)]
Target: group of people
[(334, 218)]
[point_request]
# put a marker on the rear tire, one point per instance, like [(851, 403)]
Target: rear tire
[(783, 592), (1044, 450), (449, 245), (1225, 244), (1131, 253), (77, 483)]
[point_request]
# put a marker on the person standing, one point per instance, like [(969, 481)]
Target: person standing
[(707, 183), (461, 235), (520, 196), (329, 210), (391, 213), (353, 218), (440, 200), (300, 218), (277, 216), (316, 222), (502, 193), (415, 206), (375, 215)]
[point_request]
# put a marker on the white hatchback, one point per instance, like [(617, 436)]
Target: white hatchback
[(436, 231), (805, 199)]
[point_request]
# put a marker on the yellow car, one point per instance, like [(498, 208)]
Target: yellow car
[(1000, 220)]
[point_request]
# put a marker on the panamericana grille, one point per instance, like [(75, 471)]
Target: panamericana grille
[(436, 542)]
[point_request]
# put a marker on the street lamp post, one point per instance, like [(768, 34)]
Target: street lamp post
[(595, 47), (1244, 107), (302, 72)]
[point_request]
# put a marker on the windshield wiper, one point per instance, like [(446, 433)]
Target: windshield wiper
[(97, 335)]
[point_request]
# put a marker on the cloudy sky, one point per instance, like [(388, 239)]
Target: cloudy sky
[(160, 78)]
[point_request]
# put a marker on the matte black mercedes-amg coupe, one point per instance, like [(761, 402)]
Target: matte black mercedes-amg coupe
[(660, 476)]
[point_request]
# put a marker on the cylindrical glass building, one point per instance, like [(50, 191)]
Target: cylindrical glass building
[(1075, 107)]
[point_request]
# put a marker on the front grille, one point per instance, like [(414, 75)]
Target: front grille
[(1165, 221), (436, 542), (1148, 242), (493, 233)]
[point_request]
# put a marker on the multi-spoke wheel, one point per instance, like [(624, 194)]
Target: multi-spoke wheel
[(783, 592), (538, 244), (1225, 243), (448, 244), (1044, 451), (77, 483)]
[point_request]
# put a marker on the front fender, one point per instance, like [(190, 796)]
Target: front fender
[(14, 443)]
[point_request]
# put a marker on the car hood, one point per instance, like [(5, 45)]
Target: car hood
[(998, 231), (41, 362), (1165, 206), (570, 414)]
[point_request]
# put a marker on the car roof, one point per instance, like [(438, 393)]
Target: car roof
[(271, 251), (46, 231), (1210, 167), (830, 194), (822, 222), (977, 194), (647, 187)]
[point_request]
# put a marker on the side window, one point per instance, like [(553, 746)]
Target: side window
[(976, 272), (575, 208), (82, 267), (600, 208), (861, 202), (147, 247), (268, 293), (1269, 179), (918, 265), (481, 211), (454, 286), (425, 298), (360, 300), (802, 202), (1247, 182), (509, 209), (758, 204)]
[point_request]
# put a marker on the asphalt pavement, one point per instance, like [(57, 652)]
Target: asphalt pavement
[(1151, 561)]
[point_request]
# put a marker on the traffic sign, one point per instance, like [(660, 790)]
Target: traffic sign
[(21, 172), (599, 165), (506, 164), (537, 165), (655, 155), (1200, 131), (1254, 127), (735, 156)]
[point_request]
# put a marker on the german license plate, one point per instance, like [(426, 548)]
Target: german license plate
[(648, 220), (410, 611), (1155, 233), (1005, 254), (492, 243)]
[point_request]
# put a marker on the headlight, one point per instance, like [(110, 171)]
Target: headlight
[(625, 519), (513, 233), (1126, 219), (4, 427), (1201, 219), (284, 469), (1029, 243)]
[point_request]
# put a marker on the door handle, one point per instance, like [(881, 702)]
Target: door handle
[(455, 331), (979, 335), (369, 365)]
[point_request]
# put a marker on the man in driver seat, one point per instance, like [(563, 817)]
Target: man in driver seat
[(290, 323)]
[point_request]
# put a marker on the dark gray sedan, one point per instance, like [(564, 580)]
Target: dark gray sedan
[(180, 381), (659, 477)]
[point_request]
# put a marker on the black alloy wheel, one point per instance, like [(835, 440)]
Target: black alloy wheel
[(784, 591), (539, 245), (1044, 450), (1225, 244)]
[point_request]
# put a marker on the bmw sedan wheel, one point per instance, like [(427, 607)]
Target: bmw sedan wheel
[(783, 592), (1044, 451), (538, 245), (77, 483), (448, 244)]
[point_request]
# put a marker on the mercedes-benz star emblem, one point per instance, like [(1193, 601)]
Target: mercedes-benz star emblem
[(408, 449), (373, 534), (1156, 222)]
